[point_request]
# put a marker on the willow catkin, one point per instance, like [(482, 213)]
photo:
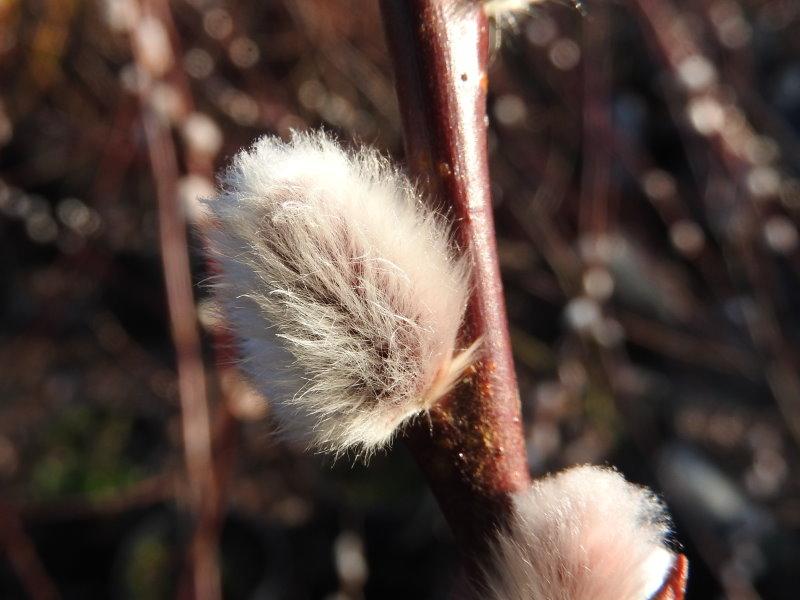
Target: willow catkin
[(583, 534), (342, 287)]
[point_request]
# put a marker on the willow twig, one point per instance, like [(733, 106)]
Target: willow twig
[(196, 423), (22, 556), (472, 448)]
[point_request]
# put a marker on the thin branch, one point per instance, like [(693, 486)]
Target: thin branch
[(21, 554), (472, 450), (186, 340)]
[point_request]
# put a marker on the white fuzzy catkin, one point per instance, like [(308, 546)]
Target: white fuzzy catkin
[(343, 288), (583, 534), (506, 13), (501, 9)]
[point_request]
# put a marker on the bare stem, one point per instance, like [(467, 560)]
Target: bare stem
[(22, 556), (195, 419), (186, 339), (472, 451)]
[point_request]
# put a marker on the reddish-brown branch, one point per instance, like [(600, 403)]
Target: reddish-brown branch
[(597, 193), (472, 449), (21, 555), (196, 425), (186, 339)]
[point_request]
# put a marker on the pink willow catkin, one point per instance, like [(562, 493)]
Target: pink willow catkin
[(582, 534), (343, 288)]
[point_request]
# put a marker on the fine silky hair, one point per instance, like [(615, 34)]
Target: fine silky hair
[(342, 287), (582, 534)]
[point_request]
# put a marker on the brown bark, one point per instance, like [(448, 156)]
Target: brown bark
[(472, 449)]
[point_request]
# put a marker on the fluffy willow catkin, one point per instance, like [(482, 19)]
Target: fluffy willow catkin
[(505, 14), (582, 534), (501, 9), (342, 287)]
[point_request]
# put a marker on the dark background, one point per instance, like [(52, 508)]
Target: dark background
[(644, 161)]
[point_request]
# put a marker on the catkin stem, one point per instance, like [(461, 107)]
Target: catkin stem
[(472, 451)]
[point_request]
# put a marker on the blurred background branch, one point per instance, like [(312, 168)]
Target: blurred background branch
[(154, 56)]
